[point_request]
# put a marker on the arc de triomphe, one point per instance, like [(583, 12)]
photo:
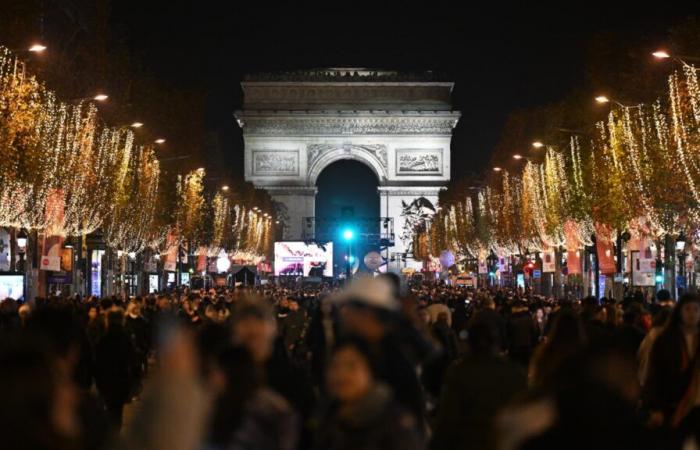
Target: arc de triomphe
[(296, 124)]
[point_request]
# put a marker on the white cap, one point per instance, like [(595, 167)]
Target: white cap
[(374, 292)]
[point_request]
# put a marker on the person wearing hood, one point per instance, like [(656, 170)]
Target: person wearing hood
[(370, 311), (363, 414)]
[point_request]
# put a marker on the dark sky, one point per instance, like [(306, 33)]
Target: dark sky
[(514, 55)]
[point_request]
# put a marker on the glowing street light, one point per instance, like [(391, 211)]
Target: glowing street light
[(136, 125), (225, 188), (661, 54), (537, 144), (517, 156), (160, 141), (497, 169), (37, 48), (602, 99), (100, 97), (348, 234)]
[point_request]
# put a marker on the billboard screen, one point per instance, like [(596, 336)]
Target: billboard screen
[(11, 286), (302, 259)]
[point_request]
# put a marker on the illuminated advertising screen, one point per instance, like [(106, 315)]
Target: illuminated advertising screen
[(11, 286), (302, 259)]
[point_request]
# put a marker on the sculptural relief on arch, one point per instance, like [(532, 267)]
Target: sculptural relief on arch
[(399, 125)]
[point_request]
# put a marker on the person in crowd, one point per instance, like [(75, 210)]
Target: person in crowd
[(254, 328), (644, 352), (138, 330), (293, 328), (95, 325), (116, 367), (247, 415), (488, 313), (522, 333), (672, 385), (9, 315), (475, 389), (362, 414), (57, 327), (565, 341), (39, 406), (369, 310)]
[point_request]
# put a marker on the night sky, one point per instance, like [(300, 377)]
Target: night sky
[(510, 57)]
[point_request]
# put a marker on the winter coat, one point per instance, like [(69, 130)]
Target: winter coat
[(115, 366), (269, 423), (378, 423), (474, 390), (522, 336), (292, 327), (669, 373)]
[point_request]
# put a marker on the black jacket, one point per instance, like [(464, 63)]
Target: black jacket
[(115, 366)]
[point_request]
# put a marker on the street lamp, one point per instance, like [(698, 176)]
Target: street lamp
[(663, 54), (497, 169), (22, 239), (136, 125), (100, 97), (538, 144), (225, 188), (517, 156), (37, 48), (160, 141), (602, 99)]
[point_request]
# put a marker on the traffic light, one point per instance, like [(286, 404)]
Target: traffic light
[(659, 278), (348, 234)]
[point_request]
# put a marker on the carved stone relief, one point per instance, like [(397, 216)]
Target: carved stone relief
[(412, 161), (276, 162)]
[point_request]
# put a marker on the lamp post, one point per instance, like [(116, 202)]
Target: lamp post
[(348, 236), (680, 248)]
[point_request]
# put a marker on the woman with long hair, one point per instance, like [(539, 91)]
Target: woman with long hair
[(565, 340), (672, 386)]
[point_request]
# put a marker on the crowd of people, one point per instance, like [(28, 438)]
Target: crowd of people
[(372, 365)]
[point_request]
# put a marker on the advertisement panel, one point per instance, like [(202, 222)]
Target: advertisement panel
[(11, 286), (549, 263), (96, 272), (302, 259)]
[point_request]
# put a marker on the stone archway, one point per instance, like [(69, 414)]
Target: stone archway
[(297, 124), (321, 156)]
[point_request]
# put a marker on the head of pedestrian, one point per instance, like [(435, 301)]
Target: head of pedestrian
[(687, 312), (254, 328), (483, 339), (115, 319), (350, 376), (368, 308), (663, 298)]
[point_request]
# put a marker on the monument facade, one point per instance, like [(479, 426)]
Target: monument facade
[(399, 125)]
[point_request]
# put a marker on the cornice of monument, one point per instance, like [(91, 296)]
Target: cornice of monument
[(345, 74), (438, 123)]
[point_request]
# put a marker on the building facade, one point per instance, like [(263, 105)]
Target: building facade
[(399, 125)]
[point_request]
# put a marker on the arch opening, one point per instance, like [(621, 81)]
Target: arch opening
[(347, 199)]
